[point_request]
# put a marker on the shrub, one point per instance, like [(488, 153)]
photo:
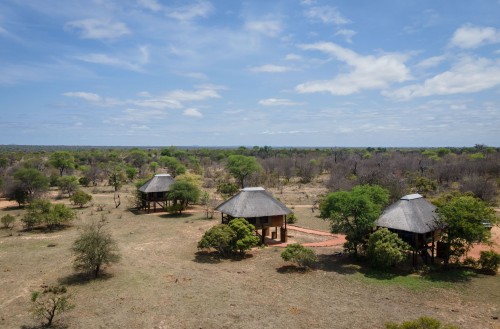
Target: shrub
[(291, 219), (386, 249), (68, 184), (489, 261), (470, 261), (228, 239), (423, 322), (50, 302), (218, 237), (297, 253), (80, 198), (94, 249), (8, 221)]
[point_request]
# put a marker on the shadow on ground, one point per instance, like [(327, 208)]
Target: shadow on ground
[(82, 278), (207, 257)]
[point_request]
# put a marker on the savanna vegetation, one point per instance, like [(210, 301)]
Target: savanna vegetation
[(61, 197)]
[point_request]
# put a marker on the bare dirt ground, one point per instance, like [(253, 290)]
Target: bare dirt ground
[(163, 281)]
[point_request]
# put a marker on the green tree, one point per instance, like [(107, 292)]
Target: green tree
[(463, 220), (29, 182), (354, 212), (244, 238), (237, 236), (68, 184), (62, 160), (173, 165), (489, 261), (182, 193), (8, 221), (227, 188), (241, 167), (43, 212), (117, 178), (297, 253), (50, 302), (94, 248), (386, 249), (80, 198), (218, 237)]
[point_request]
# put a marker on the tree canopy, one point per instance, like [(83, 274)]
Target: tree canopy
[(182, 193), (463, 219), (354, 212), (241, 166), (62, 160)]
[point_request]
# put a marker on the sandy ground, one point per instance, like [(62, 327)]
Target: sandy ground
[(162, 281)]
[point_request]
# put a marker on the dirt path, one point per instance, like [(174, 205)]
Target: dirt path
[(335, 241)]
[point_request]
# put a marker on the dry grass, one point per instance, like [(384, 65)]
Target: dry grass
[(163, 282)]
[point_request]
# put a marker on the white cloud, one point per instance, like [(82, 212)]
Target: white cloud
[(142, 59), (195, 75), (189, 96), (469, 75), (89, 97), (368, 72), (326, 14), (191, 112), (293, 57), (200, 8), (271, 68), (151, 5), (469, 36), (93, 28), (431, 61), (347, 34), (278, 102), (269, 27)]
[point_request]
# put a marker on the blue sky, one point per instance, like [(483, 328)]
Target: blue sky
[(231, 73)]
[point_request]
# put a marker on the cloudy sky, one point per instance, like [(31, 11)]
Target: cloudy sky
[(260, 72)]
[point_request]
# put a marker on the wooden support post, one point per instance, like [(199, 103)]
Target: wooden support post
[(432, 252), (263, 237)]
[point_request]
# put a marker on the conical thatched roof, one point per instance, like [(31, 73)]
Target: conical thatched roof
[(253, 202), (412, 213), (159, 183)]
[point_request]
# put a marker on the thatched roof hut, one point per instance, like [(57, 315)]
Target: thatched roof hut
[(253, 202), (154, 192), (412, 213), (159, 183), (259, 208), (414, 219)]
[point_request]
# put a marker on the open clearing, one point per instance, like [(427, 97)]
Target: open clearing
[(162, 282)]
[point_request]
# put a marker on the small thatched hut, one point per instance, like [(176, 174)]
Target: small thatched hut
[(154, 192), (414, 219), (259, 208)]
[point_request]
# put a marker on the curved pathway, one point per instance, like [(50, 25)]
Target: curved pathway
[(335, 241)]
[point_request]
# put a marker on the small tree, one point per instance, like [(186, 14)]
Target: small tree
[(8, 221), (94, 249), (386, 249), (244, 239), (218, 237), (28, 184), (297, 253), (50, 302), (43, 212), (80, 198), (183, 193), (489, 261), (68, 184), (62, 160)]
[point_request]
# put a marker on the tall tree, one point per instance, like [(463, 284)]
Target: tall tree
[(241, 166), (354, 212), (62, 160), (28, 183), (182, 193), (463, 220)]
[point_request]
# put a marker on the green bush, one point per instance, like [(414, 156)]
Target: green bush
[(237, 236), (43, 212), (291, 219), (8, 220), (386, 249), (489, 261), (423, 322), (50, 302), (80, 198), (297, 253)]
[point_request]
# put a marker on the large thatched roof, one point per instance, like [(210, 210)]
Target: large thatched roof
[(412, 213), (159, 183), (253, 202)]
